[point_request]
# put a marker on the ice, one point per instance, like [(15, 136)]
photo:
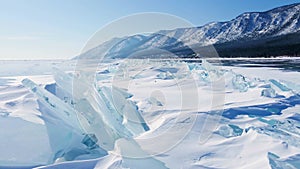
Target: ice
[(90, 120), (4, 113), (239, 82), (287, 130), (276, 162), (135, 157), (63, 111), (229, 130), (20, 150), (192, 66), (278, 84), (269, 92), (129, 155), (90, 140), (125, 110), (293, 86), (209, 67), (165, 75), (65, 132), (154, 101), (84, 125), (111, 106), (211, 73)]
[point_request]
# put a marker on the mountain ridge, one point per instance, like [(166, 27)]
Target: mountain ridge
[(248, 26)]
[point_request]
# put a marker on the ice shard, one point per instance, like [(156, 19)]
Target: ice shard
[(280, 85), (276, 162), (86, 121), (211, 73), (293, 86), (134, 157), (91, 120), (269, 92), (132, 119), (65, 132), (109, 104), (287, 130), (240, 83), (65, 112)]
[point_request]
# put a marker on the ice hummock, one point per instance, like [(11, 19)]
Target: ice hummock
[(85, 126), (65, 132)]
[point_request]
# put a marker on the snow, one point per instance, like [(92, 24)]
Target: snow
[(149, 113)]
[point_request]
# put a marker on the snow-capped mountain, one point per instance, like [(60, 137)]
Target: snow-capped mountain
[(279, 21), (247, 26)]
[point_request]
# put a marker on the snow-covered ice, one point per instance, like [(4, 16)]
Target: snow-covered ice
[(148, 114)]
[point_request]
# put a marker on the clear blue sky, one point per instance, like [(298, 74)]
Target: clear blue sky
[(43, 29)]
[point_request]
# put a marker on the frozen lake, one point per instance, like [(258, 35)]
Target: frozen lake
[(160, 113)]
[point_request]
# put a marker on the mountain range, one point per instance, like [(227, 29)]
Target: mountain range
[(275, 32)]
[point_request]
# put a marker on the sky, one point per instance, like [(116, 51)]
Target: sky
[(59, 29)]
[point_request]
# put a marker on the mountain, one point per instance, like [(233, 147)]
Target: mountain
[(238, 34), (279, 21), (282, 45)]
